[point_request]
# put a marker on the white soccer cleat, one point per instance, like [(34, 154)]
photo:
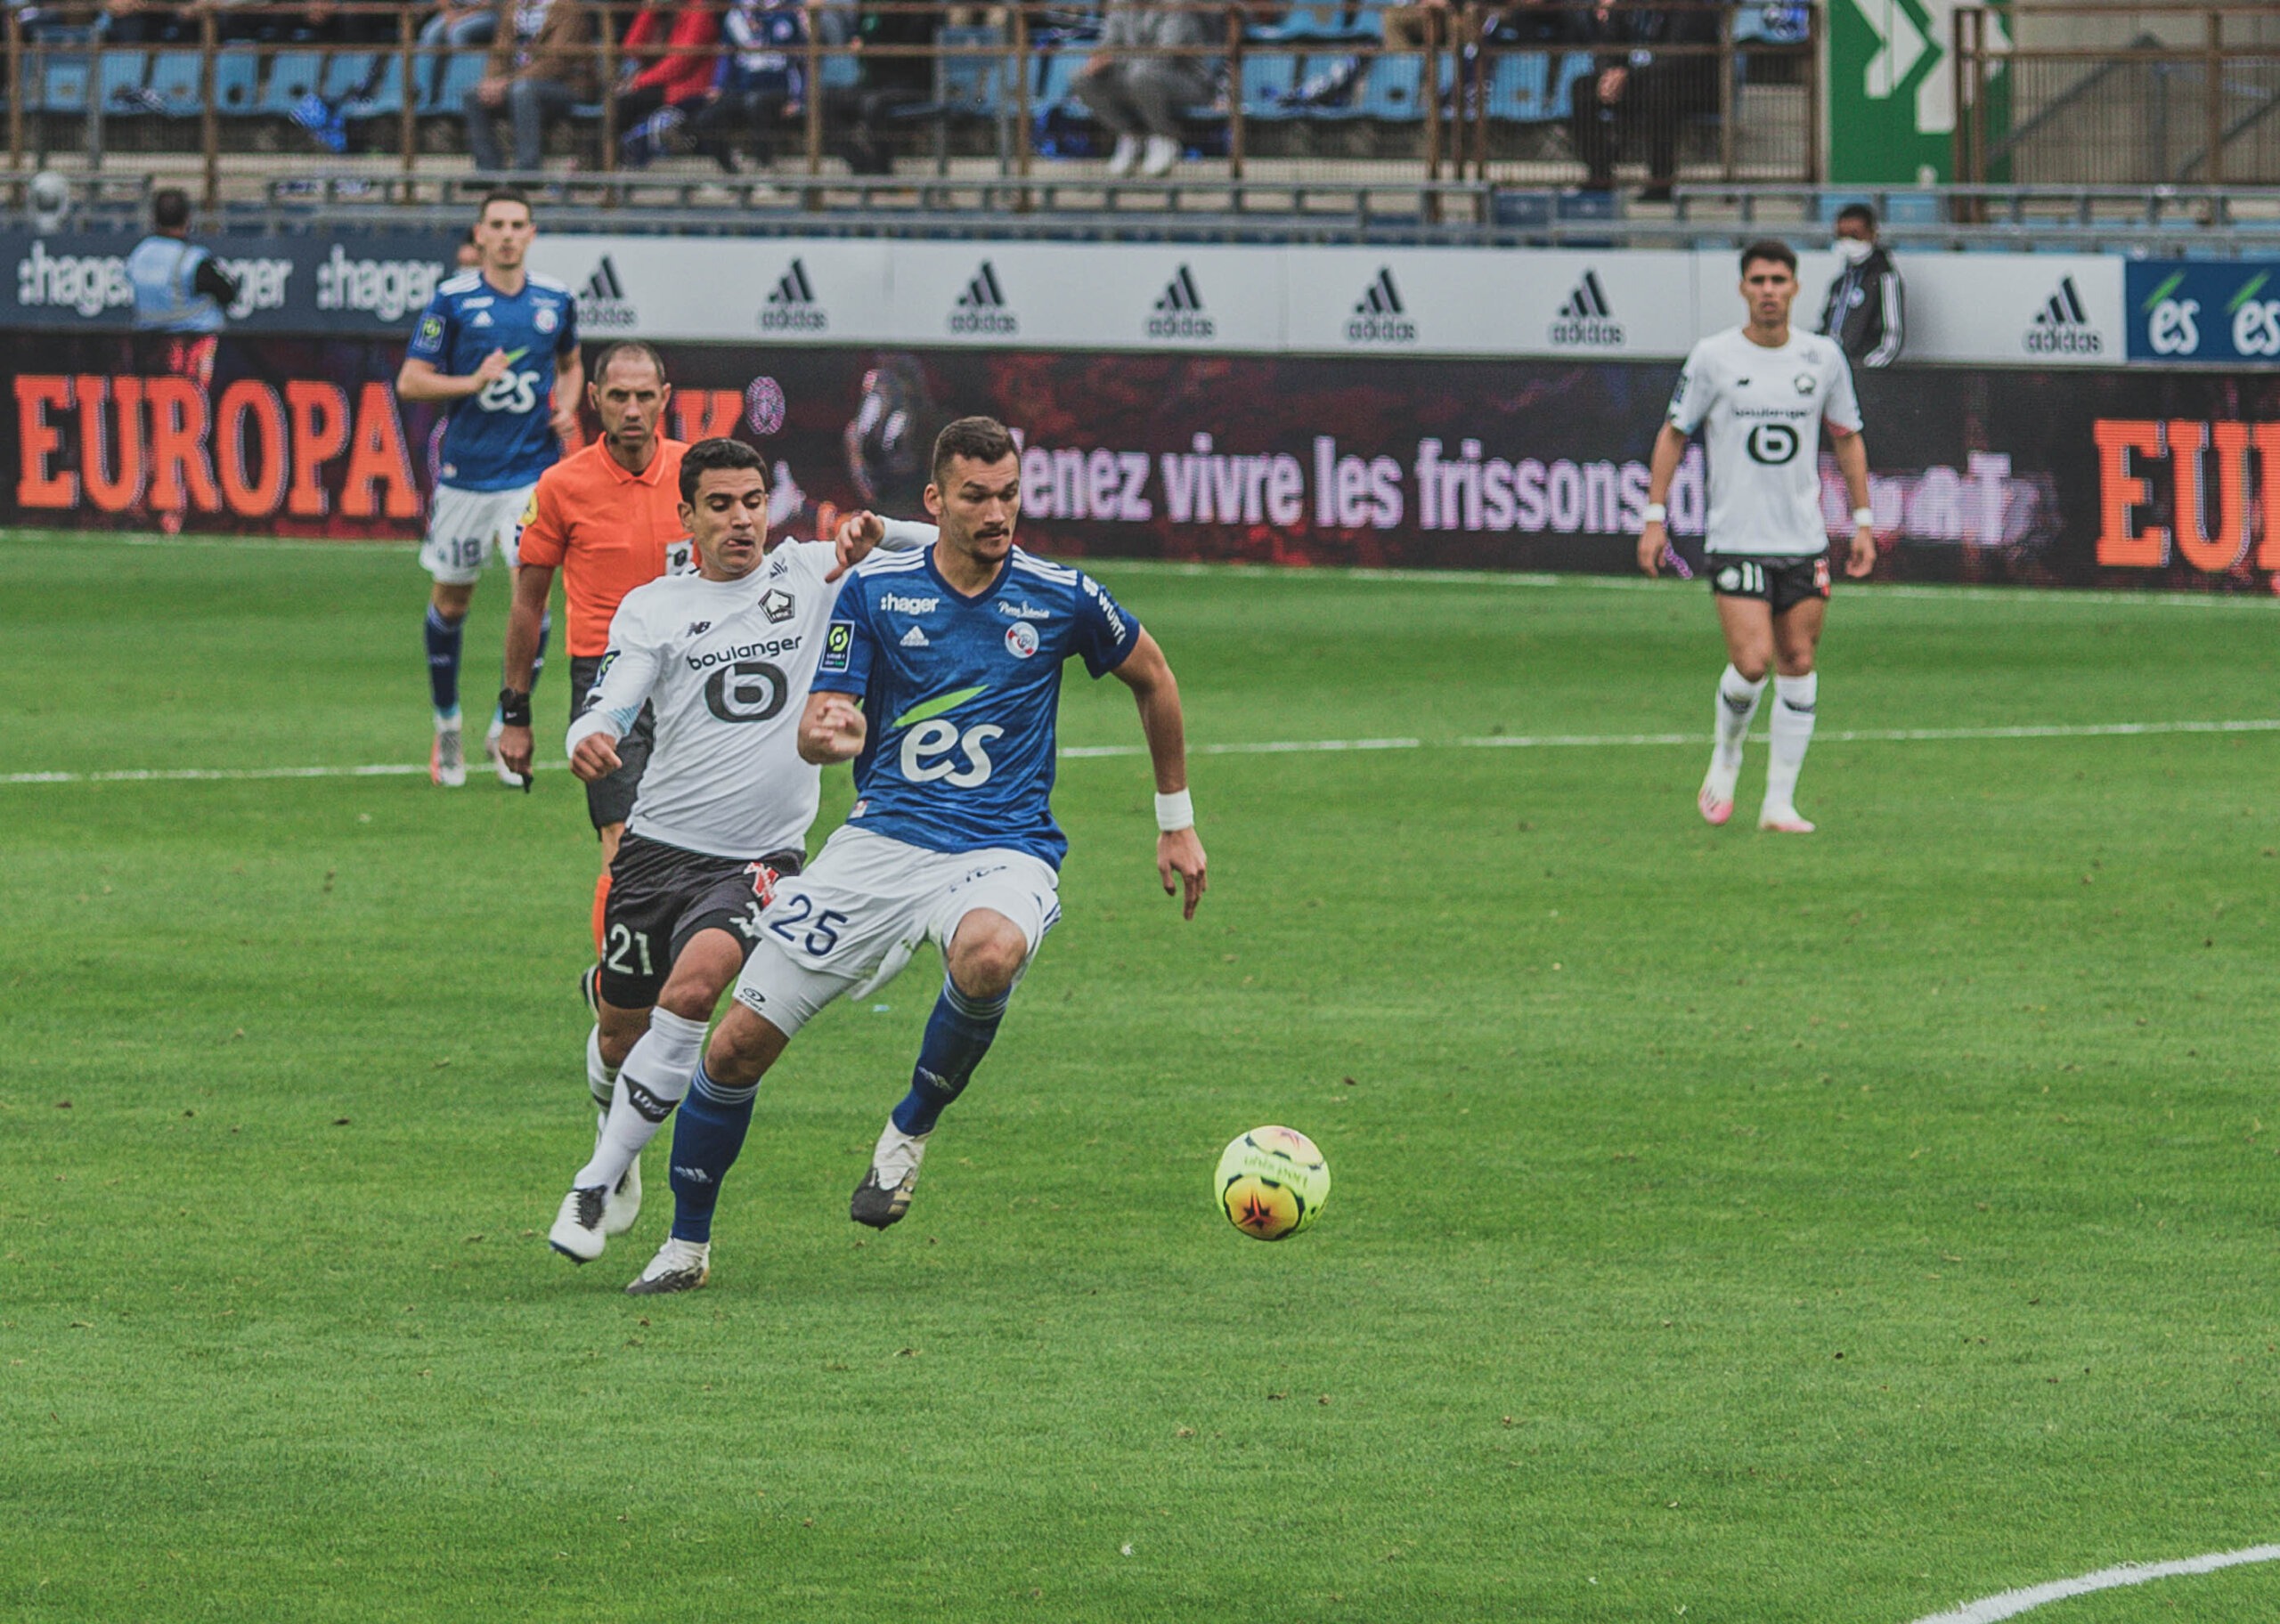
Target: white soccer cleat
[(680, 1265), (447, 759), (1126, 158), (885, 1194), (1716, 797), (512, 779), (1783, 820), (624, 1202), (578, 1233), (1163, 153)]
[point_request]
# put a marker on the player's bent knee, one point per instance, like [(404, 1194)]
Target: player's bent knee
[(743, 1046), (987, 953), (704, 970)]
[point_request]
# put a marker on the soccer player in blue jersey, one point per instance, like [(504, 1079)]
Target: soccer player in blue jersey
[(955, 654), (498, 345)]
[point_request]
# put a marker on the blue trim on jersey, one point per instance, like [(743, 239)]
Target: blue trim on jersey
[(504, 437), (962, 695)]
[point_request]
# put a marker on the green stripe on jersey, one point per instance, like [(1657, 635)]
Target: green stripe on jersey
[(927, 710)]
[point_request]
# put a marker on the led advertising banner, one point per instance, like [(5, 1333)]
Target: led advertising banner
[(2048, 477)]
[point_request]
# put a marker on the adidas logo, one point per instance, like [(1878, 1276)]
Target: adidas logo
[(1178, 312), (982, 307), (2062, 327), (1587, 318), (1378, 316), (602, 304), (791, 306), (916, 639)]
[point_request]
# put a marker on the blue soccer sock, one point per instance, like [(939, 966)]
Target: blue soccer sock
[(707, 1136), (444, 662), (958, 1033)]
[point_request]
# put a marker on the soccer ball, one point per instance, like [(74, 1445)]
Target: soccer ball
[(1272, 1182)]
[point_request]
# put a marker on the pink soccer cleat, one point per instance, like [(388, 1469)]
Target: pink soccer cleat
[(1714, 811)]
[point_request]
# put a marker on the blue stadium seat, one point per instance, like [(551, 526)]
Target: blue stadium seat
[(65, 90), (462, 72), (121, 78), (237, 79), (1393, 90), (1055, 84), (1267, 79), (173, 80), (972, 84), (294, 74), (1314, 20), (840, 73), (1532, 87), (349, 71)]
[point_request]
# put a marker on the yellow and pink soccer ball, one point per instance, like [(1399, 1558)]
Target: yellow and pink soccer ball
[(1272, 1182)]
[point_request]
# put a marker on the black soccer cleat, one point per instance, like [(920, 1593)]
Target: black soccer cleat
[(876, 1205)]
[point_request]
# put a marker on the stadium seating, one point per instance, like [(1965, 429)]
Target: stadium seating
[(293, 75), (120, 80)]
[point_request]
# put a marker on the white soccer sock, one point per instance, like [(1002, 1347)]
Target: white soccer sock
[(599, 1077), (653, 1080), (1738, 698), (1793, 698)]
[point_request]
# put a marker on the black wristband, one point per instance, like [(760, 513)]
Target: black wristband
[(514, 708)]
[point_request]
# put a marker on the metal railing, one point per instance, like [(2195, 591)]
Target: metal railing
[(2086, 93), (1325, 96)]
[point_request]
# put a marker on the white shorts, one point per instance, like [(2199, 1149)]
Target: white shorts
[(866, 902), (463, 527)]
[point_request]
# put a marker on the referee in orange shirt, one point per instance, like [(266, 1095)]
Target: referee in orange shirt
[(608, 517)]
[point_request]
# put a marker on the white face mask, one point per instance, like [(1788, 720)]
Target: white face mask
[(1853, 250)]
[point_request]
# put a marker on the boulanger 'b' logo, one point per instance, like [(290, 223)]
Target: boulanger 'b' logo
[(749, 691), (1773, 443)]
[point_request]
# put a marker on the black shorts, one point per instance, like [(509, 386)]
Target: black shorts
[(1782, 583), (661, 896), (610, 801)]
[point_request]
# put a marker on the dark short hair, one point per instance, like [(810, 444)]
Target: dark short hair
[(1767, 248), (170, 208), (624, 348), (469, 238), (977, 439), (502, 194), (716, 455), (1859, 211)]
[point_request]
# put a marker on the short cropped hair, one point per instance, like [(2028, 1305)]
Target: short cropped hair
[(503, 194), (1859, 211), (978, 439), (716, 455), (627, 349), (170, 208), (1770, 249)]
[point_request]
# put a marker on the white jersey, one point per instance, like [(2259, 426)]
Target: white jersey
[(1763, 410), (726, 664)]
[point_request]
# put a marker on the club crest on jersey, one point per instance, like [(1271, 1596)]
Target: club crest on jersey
[(1803, 383), (544, 318), (777, 605), (1020, 639)]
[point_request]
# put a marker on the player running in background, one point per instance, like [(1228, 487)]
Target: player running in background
[(720, 659), (498, 346), (1761, 393), (608, 516), (956, 654)]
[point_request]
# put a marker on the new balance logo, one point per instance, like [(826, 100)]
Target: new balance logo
[(1587, 319), (982, 307), (1378, 316), (2063, 326), (916, 639), (602, 304), (790, 306), (698, 628), (1178, 310)]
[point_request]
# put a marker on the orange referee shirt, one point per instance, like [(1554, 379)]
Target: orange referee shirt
[(607, 531)]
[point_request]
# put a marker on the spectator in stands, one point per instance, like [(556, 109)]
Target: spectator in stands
[(1640, 87), (469, 255), (1864, 313), (1139, 96), (670, 52), (759, 80), (542, 64), (887, 85), (458, 25), (1415, 27)]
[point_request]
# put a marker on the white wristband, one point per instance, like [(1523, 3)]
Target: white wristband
[(1863, 515), (1175, 811), (1655, 514)]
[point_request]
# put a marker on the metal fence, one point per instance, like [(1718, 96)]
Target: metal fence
[(832, 102), (2100, 94)]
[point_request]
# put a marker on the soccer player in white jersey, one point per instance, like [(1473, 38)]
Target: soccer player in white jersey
[(723, 658), (956, 655), (1761, 393)]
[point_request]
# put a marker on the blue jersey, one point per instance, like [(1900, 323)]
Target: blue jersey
[(962, 695), (504, 437)]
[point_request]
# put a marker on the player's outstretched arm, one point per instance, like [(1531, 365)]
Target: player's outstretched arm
[(1851, 453), (831, 729), (1655, 540), (1178, 850), (861, 533)]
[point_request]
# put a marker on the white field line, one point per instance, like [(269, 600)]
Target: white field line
[(1272, 747), (2010, 1603)]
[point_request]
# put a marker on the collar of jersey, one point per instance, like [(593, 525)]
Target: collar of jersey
[(619, 472), (996, 581)]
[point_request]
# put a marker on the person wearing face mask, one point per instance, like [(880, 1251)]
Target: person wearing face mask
[(1863, 311)]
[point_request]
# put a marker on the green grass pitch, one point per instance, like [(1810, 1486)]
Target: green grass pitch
[(1725, 1227)]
